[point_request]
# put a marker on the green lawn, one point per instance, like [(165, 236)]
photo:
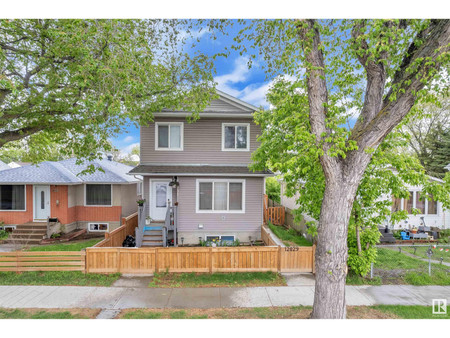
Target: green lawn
[(232, 279), (288, 312), (290, 237), (46, 314), (394, 267), (437, 254), (68, 246), (57, 278), (412, 311)]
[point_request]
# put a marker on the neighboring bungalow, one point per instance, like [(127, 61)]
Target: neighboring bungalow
[(431, 213), (33, 194)]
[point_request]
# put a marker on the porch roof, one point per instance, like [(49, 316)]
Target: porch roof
[(197, 170)]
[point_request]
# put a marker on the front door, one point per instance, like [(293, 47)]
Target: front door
[(161, 192), (41, 202)]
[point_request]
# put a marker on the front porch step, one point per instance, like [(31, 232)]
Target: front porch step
[(26, 236), (152, 243), (153, 238), (31, 226)]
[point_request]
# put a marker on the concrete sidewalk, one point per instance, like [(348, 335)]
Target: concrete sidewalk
[(117, 298)]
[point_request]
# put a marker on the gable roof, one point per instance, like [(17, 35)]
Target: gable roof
[(66, 172), (225, 105), (4, 166)]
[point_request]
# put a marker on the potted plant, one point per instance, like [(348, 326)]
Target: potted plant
[(141, 202), (148, 220)]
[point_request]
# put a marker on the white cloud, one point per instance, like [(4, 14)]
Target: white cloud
[(254, 93), (128, 148), (128, 139)]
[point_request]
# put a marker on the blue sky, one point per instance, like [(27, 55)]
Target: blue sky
[(232, 76)]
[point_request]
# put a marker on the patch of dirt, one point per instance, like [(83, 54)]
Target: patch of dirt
[(81, 312), (365, 312), (353, 312)]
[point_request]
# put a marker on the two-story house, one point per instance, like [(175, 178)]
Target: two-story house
[(201, 170)]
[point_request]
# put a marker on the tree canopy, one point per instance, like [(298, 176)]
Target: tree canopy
[(81, 82)]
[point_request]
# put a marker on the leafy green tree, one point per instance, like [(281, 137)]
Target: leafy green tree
[(83, 81), (430, 136), (389, 173), (273, 189), (373, 69)]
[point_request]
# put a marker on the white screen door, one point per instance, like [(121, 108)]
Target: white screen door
[(41, 202), (161, 192)]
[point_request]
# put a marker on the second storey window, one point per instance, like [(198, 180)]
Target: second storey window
[(235, 136), (220, 196), (99, 194), (169, 136)]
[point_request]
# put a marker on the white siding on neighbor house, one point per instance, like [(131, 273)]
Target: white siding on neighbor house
[(440, 220), (202, 143)]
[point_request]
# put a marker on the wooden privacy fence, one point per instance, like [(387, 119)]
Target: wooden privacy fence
[(19, 261), (275, 215), (116, 237), (199, 259)]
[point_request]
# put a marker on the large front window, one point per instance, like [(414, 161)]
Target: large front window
[(12, 197), (169, 136), (220, 196), (235, 137), (99, 194)]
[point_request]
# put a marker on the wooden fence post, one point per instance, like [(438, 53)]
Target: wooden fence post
[(279, 258), (210, 260), (156, 260), (314, 258)]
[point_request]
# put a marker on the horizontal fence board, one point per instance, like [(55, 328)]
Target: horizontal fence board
[(21, 261)]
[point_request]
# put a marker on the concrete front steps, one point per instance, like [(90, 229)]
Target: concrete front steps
[(153, 236), (28, 233)]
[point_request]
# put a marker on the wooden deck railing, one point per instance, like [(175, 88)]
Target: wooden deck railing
[(116, 237)]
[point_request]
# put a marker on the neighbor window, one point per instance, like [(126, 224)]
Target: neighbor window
[(424, 205), (236, 136), (12, 197), (93, 227), (220, 195), (169, 136), (99, 194)]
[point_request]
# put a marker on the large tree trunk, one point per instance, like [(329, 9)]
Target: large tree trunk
[(331, 251)]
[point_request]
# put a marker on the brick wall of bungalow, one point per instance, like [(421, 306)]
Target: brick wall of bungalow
[(59, 208)]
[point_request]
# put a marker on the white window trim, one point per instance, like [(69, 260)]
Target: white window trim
[(220, 237), (181, 124), (25, 204), (197, 197), (235, 125), (414, 191), (101, 205), (89, 227)]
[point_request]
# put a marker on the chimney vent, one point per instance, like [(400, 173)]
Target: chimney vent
[(109, 157)]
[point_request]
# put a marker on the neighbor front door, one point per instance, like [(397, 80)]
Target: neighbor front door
[(41, 202), (161, 192)]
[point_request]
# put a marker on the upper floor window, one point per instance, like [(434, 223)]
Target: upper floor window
[(169, 136), (99, 194), (235, 136)]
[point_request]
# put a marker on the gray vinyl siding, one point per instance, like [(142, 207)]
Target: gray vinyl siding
[(188, 219), (202, 143)]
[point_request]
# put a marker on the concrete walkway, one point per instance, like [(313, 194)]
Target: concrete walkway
[(113, 299)]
